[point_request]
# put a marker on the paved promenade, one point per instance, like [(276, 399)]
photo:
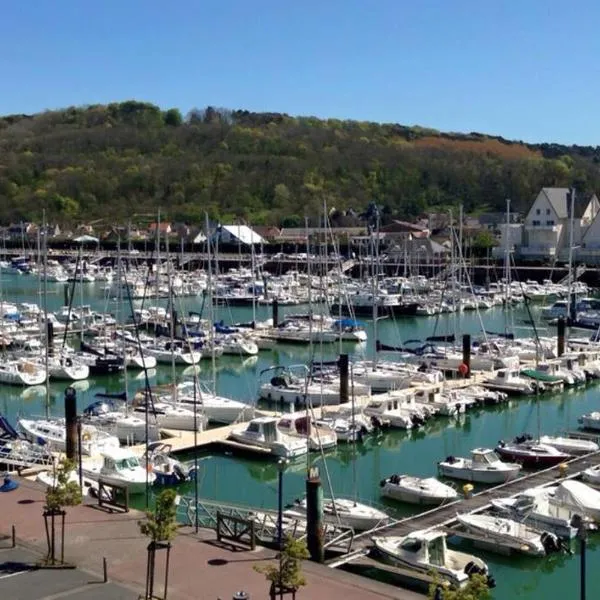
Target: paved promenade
[(201, 569)]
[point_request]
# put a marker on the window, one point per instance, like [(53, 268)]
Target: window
[(535, 223), (549, 223), (547, 211), (537, 211)]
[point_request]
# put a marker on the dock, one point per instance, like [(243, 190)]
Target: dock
[(445, 516)]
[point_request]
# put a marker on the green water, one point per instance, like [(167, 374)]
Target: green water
[(352, 472)]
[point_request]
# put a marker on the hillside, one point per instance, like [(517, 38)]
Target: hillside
[(121, 160)]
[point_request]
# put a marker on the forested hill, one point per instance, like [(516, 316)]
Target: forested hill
[(131, 158)]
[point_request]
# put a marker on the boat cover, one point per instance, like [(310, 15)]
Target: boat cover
[(576, 493), (7, 431)]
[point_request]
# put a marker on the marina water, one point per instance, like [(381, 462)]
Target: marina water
[(353, 471)]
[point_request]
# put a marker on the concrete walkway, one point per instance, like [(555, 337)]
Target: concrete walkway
[(201, 569)]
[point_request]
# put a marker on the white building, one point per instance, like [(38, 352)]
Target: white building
[(546, 230)]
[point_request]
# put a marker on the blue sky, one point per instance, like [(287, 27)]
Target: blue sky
[(524, 69)]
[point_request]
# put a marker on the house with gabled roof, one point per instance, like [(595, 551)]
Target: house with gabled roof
[(547, 225)]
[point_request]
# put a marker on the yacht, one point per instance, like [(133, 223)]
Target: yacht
[(499, 532), (53, 433), (426, 552), (343, 512), (172, 416), (484, 466), (120, 467), (167, 354), (389, 411), (417, 490), (591, 476), (263, 432)]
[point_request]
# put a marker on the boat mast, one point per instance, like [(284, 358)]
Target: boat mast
[(507, 266), (571, 308), (45, 308), (211, 309), (374, 282), (120, 314)]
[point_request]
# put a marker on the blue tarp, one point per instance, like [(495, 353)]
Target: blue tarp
[(347, 323), (220, 327)]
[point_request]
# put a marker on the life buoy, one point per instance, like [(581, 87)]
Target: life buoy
[(86, 437), (463, 369)]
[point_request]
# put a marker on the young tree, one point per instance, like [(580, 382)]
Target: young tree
[(161, 527), (476, 589), (64, 492), (286, 575)]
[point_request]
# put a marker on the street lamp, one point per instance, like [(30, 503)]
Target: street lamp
[(282, 463), (582, 527)]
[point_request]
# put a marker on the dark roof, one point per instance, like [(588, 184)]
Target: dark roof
[(559, 199)]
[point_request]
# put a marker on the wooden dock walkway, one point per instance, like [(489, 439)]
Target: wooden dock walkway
[(445, 515)]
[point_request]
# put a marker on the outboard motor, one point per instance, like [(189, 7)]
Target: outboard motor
[(452, 460), (179, 473), (550, 542)]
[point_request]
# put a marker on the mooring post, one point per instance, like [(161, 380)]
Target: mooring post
[(71, 422), (50, 337), (67, 295), (14, 537), (343, 364), (104, 569), (560, 336), (314, 516), (275, 312), (466, 354)]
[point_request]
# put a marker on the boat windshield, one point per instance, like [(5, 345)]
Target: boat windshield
[(487, 458), (127, 463), (411, 545)]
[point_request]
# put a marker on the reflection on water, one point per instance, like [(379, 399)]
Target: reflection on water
[(353, 472)]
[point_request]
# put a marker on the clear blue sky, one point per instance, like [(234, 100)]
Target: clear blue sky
[(524, 69)]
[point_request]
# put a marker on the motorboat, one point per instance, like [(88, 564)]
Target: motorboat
[(533, 506), (166, 468), (570, 446), (52, 432), (484, 466), (391, 409), (300, 425), (343, 512), (417, 490), (590, 421), (511, 382), (263, 432), (501, 532), (427, 552), (529, 453), (120, 467)]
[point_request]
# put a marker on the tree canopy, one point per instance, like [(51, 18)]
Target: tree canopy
[(131, 158)]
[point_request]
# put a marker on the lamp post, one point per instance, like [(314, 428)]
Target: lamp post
[(579, 523), (282, 463)]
